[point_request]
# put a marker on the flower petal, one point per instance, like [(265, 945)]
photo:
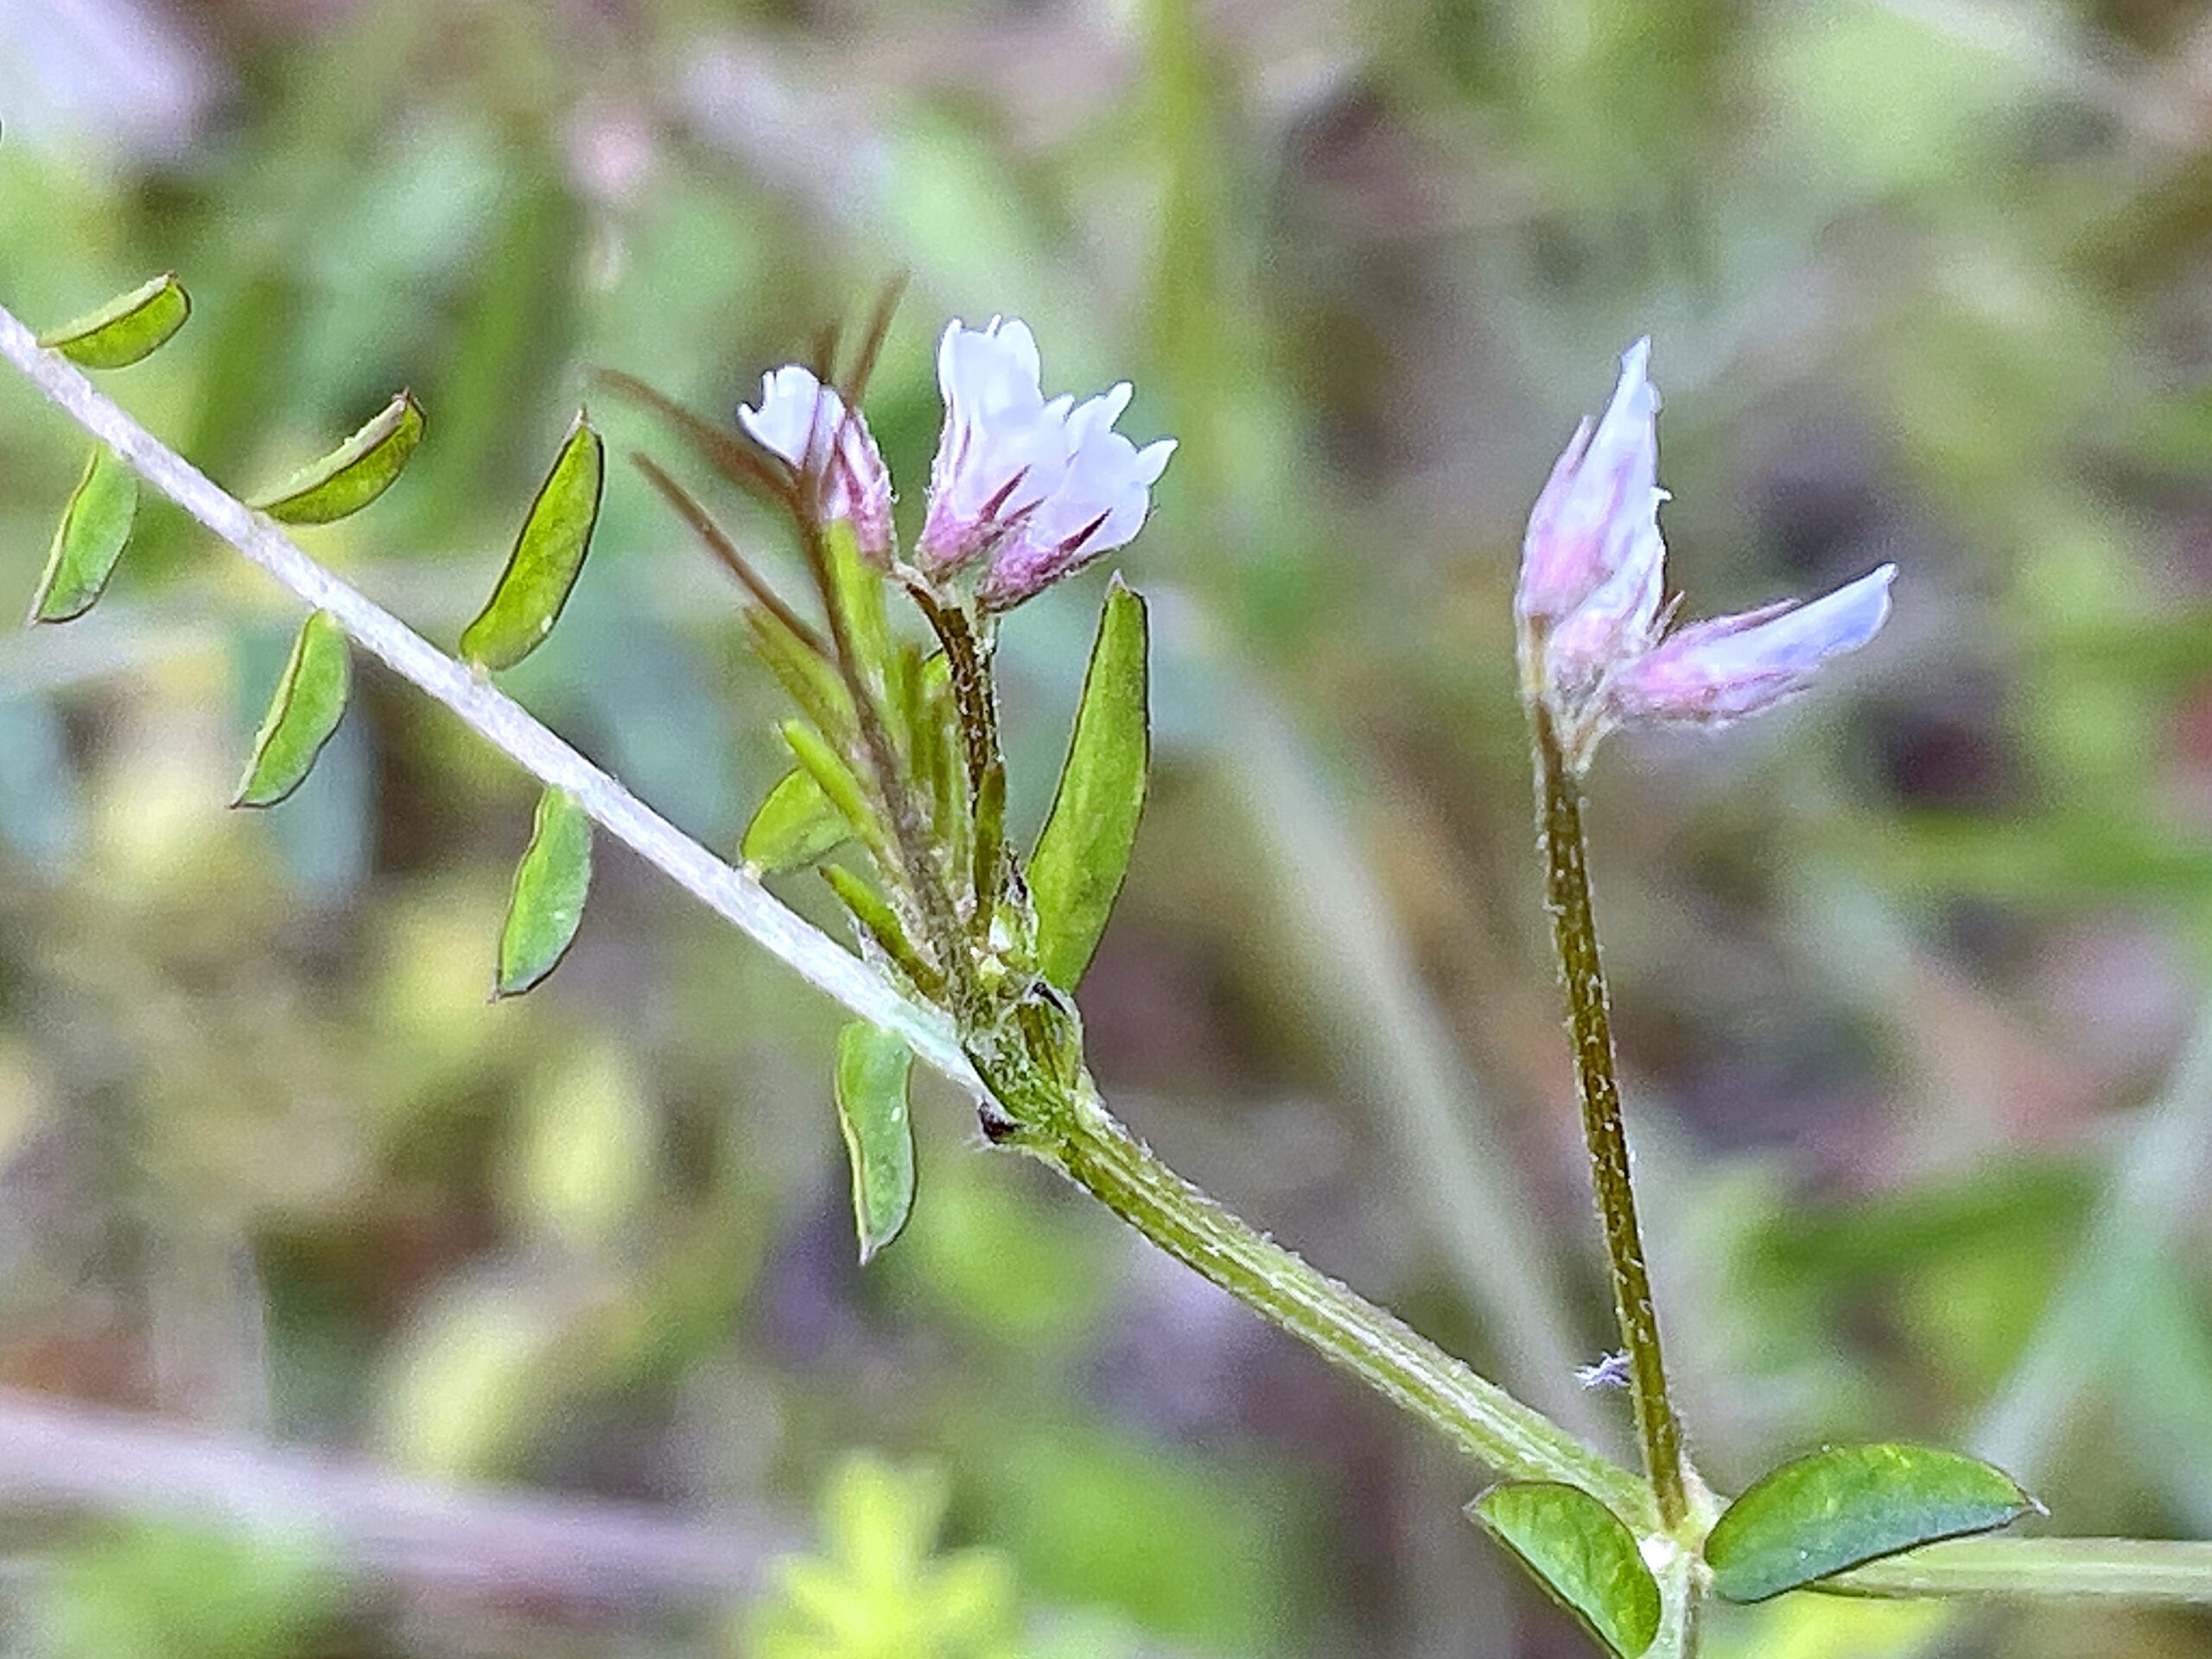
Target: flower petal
[(806, 425), (1713, 672), (1598, 513), (794, 405)]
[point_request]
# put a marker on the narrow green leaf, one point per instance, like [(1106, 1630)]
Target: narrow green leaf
[(873, 912), (1846, 1504), (795, 825), (856, 589), (353, 475), (310, 698), (94, 528), (871, 1072), (127, 327), (834, 779), (548, 557), (1582, 1552), (550, 884), (809, 679), (1084, 852)]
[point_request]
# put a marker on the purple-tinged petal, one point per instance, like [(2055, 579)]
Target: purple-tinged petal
[(1713, 672), (1003, 450), (1598, 513), (806, 425), (1029, 488)]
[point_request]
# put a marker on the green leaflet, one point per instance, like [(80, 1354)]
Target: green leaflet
[(1582, 1552), (353, 475), (550, 884), (1846, 1504), (548, 555), (856, 590), (873, 912), (311, 698), (127, 328), (1084, 852), (835, 780), (94, 528), (795, 825), (872, 1070), (811, 680)]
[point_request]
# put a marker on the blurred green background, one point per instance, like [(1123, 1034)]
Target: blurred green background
[(342, 1313)]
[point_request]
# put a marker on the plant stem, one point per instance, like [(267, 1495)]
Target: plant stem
[(968, 663), (1101, 1156), (1474, 1415), (924, 882), (1574, 934), (498, 718), (2135, 1570)]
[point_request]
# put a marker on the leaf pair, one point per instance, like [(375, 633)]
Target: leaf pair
[(96, 524), (1803, 1522), (554, 876)]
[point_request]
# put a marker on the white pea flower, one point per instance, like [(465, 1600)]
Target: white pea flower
[(828, 448), (1593, 642), (1033, 489)]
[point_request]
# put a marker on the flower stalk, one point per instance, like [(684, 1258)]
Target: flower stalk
[(1574, 936)]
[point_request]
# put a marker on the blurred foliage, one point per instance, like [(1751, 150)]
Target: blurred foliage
[(150, 1591), (1898, 972), (878, 1591)]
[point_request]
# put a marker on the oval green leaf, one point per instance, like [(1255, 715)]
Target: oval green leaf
[(1083, 851), (1848, 1504), (1583, 1554), (127, 327), (550, 884), (353, 475), (311, 698), (872, 1070), (795, 825), (94, 528), (548, 555)]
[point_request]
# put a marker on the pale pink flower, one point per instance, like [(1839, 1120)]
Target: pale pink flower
[(1593, 643), (1031, 490), (830, 449)]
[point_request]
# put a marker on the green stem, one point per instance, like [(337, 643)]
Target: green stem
[(968, 662), (922, 883), (2134, 1570), (1574, 933), (1095, 1151)]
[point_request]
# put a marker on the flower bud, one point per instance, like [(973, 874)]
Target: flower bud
[(830, 451)]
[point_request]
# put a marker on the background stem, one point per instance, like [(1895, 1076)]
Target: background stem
[(1574, 933)]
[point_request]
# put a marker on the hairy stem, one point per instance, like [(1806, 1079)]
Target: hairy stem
[(1574, 934), (1101, 1156), (924, 880), (496, 717), (1472, 1413), (969, 671)]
